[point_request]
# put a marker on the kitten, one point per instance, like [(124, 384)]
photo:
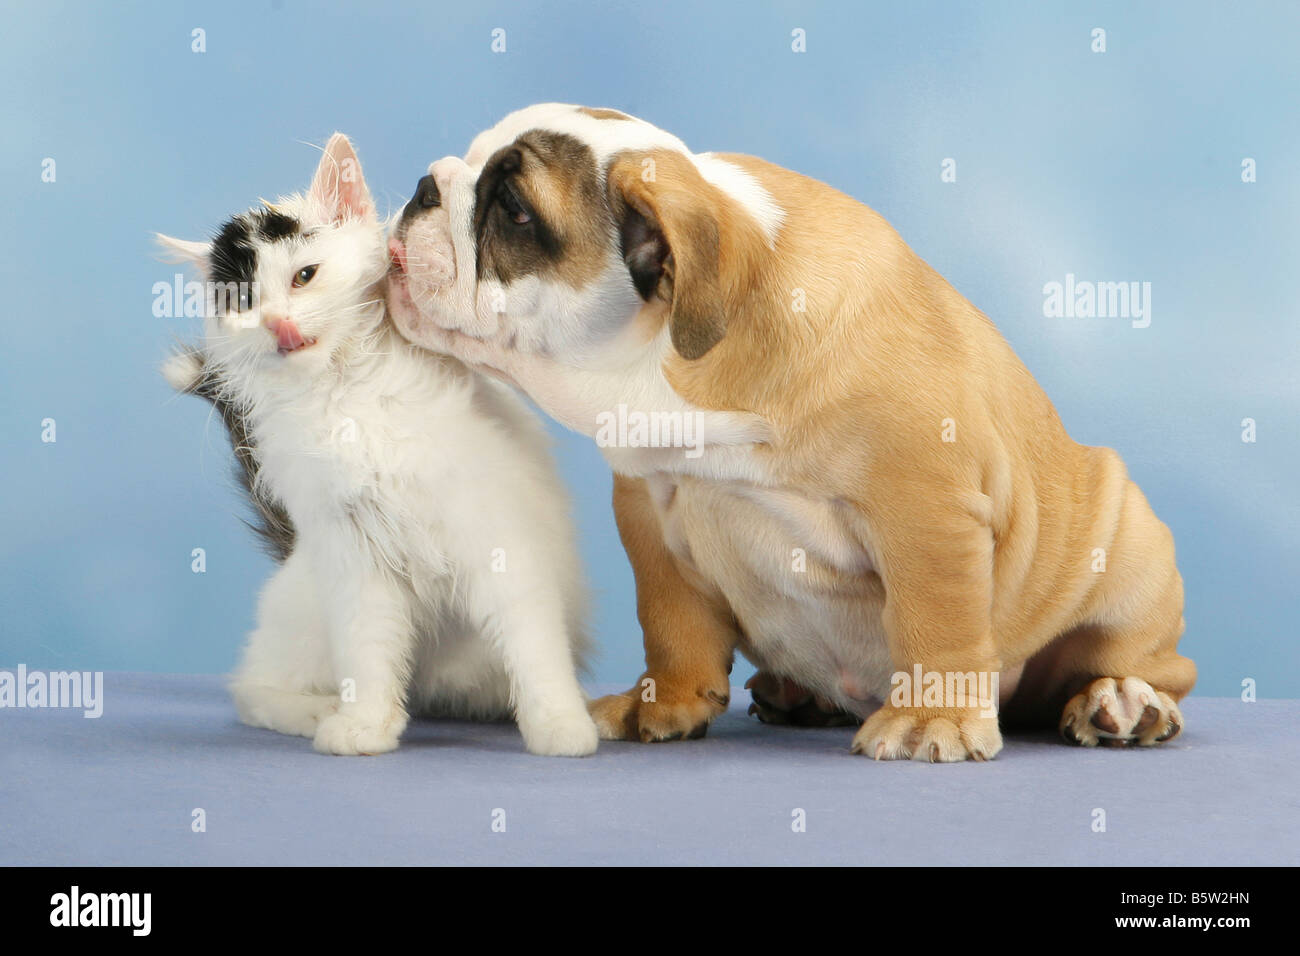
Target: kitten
[(428, 563)]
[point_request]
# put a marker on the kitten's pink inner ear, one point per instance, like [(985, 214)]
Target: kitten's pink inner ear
[(339, 185)]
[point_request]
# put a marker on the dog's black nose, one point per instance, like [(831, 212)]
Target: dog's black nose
[(426, 197), (426, 193)]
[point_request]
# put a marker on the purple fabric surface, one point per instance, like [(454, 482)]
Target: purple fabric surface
[(121, 790)]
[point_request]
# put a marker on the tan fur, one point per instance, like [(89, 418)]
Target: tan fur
[(713, 249), (690, 635), (984, 545)]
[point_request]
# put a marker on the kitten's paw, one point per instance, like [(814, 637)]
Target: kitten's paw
[(562, 733), (351, 734), (284, 711)]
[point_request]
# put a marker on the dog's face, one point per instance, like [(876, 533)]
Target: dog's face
[(576, 235)]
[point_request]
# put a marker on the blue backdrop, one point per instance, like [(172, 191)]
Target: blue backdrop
[(1122, 165)]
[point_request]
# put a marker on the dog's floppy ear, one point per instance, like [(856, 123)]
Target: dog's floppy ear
[(672, 243)]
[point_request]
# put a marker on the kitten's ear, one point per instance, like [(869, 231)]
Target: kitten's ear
[(184, 250), (339, 185)]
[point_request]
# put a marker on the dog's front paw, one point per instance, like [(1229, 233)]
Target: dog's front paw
[(936, 734), (659, 712), (559, 733), (349, 734), (1120, 713)]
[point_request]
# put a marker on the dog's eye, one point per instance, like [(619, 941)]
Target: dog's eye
[(304, 275), (511, 203)]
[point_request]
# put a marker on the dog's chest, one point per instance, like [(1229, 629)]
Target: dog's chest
[(795, 574)]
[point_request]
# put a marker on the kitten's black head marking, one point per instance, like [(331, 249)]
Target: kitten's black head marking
[(272, 225), (233, 257)]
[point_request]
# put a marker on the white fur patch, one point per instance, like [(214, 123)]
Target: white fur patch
[(744, 189)]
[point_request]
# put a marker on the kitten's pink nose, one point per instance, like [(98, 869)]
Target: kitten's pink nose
[(272, 320)]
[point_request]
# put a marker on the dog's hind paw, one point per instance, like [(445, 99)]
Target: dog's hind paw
[(1120, 713)]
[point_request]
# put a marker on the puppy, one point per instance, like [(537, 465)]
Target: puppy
[(824, 456)]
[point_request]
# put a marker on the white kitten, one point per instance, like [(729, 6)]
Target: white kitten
[(429, 562)]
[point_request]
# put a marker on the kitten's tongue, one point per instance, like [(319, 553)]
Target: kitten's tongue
[(287, 336)]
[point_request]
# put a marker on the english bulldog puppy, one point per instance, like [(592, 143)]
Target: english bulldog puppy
[(823, 455)]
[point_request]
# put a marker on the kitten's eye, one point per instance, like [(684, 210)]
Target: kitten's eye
[(304, 275), (511, 203)]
